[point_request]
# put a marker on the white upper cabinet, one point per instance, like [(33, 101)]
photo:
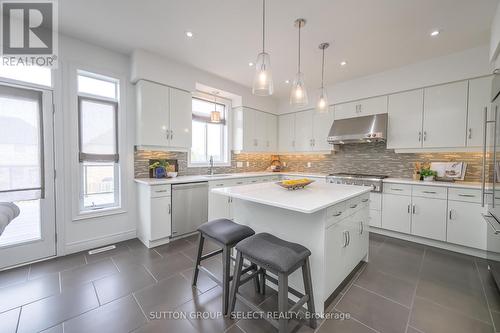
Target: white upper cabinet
[(445, 115), (404, 128), (365, 107), (479, 99), (153, 121), (321, 124), (180, 118), (286, 132), (163, 116), (254, 131), (304, 130)]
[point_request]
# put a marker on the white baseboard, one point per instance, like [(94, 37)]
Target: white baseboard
[(92, 243), (430, 242)]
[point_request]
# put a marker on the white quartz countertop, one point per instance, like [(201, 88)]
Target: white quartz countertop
[(313, 198), (458, 184), (205, 178)]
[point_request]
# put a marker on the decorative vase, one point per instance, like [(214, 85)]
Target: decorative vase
[(429, 179), (160, 172)]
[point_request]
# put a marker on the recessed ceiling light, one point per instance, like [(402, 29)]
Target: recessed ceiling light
[(287, 81), (435, 33), (343, 63), (189, 34), (250, 64)]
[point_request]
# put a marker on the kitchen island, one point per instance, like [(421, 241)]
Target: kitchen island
[(331, 220)]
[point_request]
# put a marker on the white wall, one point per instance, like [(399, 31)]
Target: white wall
[(81, 234), (156, 68), (458, 66)]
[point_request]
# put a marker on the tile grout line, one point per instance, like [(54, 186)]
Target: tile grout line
[(415, 329), (484, 294), (18, 319), (380, 295), (140, 307), (415, 291), (96, 294)]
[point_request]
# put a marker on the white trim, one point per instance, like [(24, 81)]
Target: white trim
[(91, 243), (91, 214), (430, 242)]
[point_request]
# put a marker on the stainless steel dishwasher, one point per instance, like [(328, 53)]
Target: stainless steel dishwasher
[(189, 207)]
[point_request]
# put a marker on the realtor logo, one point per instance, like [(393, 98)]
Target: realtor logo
[(29, 33)]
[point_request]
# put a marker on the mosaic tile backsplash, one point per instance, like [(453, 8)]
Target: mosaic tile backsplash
[(370, 158)]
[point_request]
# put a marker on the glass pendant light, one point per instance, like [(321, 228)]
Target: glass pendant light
[(322, 105), (263, 79), (215, 115), (298, 95)]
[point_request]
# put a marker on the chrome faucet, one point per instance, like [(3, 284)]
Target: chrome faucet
[(211, 170)]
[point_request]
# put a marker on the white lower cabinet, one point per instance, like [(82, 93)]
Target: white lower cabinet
[(218, 205), (155, 214), (465, 225), (428, 218), (375, 218), (396, 212)]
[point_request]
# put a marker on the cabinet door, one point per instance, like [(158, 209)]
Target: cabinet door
[(396, 212), (429, 218), (466, 226), (358, 236), (370, 106), (445, 115), (260, 131), (286, 132), (303, 130), (180, 118), (218, 205), (346, 110), (322, 122), (272, 132), (479, 99), (404, 127), (335, 256), (249, 139), (153, 121), (161, 217)]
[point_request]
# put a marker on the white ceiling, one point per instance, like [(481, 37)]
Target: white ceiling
[(371, 35)]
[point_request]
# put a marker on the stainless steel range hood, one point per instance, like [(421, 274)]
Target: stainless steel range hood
[(359, 130)]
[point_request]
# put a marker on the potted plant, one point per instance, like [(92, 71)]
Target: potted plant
[(428, 174), (171, 173), (159, 168)]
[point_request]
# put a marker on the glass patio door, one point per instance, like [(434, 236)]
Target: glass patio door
[(27, 174)]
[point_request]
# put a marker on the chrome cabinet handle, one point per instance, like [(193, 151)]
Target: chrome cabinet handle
[(169, 209), (429, 192), (425, 135), (449, 214), (362, 228), (337, 214), (348, 238), (353, 206), (419, 136), (470, 133), (396, 189), (413, 209), (171, 134), (409, 208), (344, 235), (160, 191), (466, 195), (364, 200)]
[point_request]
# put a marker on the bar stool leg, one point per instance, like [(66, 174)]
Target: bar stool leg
[(201, 240), (226, 264), (263, 281), (283, 302), (236, 281), (306, 274)]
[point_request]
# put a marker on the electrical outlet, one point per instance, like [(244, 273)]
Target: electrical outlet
[(239, 164), (308, 164), (248, 164)]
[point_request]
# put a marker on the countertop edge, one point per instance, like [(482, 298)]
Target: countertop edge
[(461, 184)]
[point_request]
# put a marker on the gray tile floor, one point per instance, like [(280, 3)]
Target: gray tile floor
[(404, 288)]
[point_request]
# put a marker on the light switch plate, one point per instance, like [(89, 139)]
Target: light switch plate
[(239, 164), (248, 164), (308, 164)]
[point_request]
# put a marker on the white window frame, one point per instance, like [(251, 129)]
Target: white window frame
[(226, 131), (117, 205)]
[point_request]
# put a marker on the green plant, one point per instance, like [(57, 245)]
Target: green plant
[(162, 163), (428, 173)]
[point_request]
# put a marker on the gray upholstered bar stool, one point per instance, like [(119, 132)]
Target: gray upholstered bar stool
[(225, 233), (281, 258)]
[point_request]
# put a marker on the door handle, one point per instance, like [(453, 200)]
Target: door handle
[(413, 209), (344, 235)]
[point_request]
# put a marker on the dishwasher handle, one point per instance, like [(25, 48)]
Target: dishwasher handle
[(188, 186)]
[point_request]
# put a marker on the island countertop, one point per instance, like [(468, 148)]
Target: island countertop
[(313, 198)]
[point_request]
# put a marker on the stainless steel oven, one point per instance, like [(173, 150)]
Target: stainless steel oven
[(490, 192)]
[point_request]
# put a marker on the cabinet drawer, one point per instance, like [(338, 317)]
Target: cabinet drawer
[(429, 191), (401, 189), (217, 184), (462, 194), (160, 191), (336, 213)]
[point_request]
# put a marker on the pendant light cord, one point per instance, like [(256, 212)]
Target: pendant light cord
[(263, 25), (300, 26), (323, 69)]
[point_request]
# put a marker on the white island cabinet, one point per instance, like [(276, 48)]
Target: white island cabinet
[(331, 220)]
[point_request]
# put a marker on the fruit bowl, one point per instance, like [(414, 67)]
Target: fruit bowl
[(295, 184)]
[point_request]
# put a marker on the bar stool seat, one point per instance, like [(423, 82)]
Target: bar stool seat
[(281, 258), (226, 234), (226, 231), (273, 253)]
